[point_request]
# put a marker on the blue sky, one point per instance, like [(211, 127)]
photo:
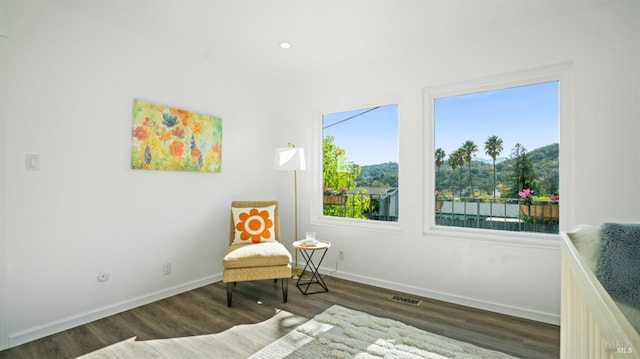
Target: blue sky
[(526, 114), (368, 138)]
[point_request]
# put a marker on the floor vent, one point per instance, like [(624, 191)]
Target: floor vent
[(401, 299)]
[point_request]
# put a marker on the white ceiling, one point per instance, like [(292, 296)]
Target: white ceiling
[(244, 35)]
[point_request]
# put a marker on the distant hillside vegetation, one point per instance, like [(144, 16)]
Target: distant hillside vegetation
[(381, 175), (544, 160)]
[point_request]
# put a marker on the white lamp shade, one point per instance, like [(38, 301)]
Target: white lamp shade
[(289, 159)]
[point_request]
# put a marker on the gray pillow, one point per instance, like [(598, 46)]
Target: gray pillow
[(619, 263)]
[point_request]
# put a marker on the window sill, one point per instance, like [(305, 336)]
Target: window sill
[(357, 224), (488, 236)]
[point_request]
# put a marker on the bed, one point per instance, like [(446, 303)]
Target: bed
[(598, 322)]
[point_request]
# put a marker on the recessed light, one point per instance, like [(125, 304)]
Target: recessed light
[(285, 45)]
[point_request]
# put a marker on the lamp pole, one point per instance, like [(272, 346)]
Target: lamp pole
[(295, 206), (295, 201), (292, 158)]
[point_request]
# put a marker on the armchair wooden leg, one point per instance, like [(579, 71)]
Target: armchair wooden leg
[(230, 286), (285, 289)]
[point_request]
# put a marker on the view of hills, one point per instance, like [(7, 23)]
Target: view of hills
[(544, 160), (380, 175)]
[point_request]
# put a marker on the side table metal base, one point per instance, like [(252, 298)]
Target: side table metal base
[(315, 279)]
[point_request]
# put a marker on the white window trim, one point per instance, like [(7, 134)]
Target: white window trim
[(563, 73), (317, 217)]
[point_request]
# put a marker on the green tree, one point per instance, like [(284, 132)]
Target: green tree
[(493, 148), (357, 205), (339, 172), (456, 160), (469, 149), (440, 155), (523, 173)]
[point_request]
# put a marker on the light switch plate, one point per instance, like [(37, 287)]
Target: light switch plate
[(32, 162)]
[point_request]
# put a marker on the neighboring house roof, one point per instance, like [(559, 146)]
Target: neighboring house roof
[(375, 190)]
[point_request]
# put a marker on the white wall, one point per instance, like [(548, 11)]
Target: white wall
[(3, 150), (86, 211), (521, 277), (71, 82)]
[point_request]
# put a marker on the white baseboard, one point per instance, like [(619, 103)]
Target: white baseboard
[(550, 318), (46, 329)]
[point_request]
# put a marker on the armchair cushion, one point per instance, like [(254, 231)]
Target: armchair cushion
[(256, 255), (253, 224)]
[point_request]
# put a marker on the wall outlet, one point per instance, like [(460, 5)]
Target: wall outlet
[(166, 268), (341, 255)]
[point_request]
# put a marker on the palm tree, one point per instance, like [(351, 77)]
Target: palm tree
[(456, 161), (493, 147), (440, 155), (468, 149)]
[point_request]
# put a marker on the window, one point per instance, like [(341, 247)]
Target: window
[(496, 157), (360, 164)]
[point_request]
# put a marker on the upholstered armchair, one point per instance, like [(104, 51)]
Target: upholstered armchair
[(255, 251)]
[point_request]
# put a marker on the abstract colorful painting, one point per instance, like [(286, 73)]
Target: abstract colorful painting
[(170, 139)]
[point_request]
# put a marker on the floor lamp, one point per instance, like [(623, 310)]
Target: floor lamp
[(291, 158)]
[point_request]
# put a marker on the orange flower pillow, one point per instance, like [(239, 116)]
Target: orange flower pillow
[(253, 225)]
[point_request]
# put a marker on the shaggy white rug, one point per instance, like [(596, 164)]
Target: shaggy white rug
[(339, 332)]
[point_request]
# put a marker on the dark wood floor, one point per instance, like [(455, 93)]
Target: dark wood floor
[(204, 311)]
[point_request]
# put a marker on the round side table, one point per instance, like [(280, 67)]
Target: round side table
[(308, 249)]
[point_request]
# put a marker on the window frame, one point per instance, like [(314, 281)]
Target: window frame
[(317, 216), (563, 73)]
